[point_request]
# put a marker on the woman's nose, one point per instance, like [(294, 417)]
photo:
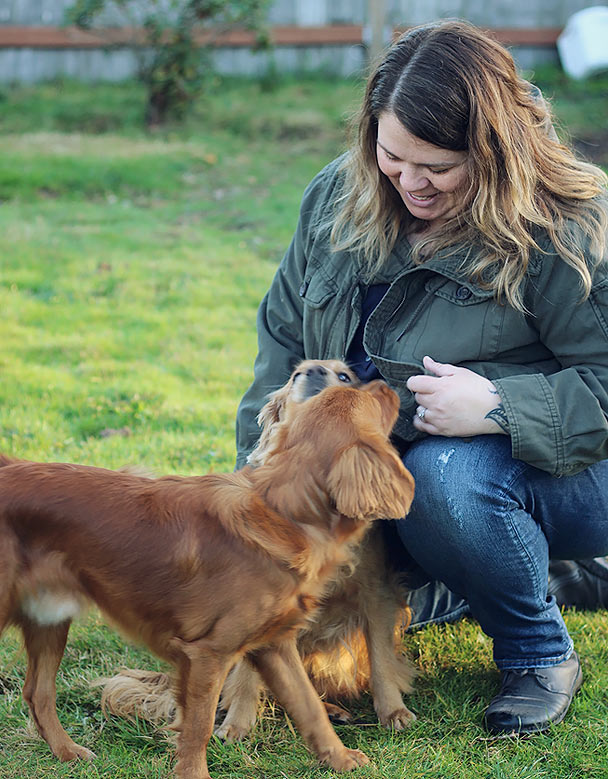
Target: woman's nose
[(412, 179)]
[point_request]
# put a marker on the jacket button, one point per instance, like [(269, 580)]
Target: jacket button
[(462, 293)]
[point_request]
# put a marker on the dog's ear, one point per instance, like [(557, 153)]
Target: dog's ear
[(367, 482), (388, 400), (268, 418)]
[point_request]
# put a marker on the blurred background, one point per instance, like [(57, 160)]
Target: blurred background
[(335, 35)]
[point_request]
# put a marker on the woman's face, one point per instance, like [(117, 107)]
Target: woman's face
[(429, 179)]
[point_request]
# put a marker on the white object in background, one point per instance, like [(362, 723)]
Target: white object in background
[(583, 44)]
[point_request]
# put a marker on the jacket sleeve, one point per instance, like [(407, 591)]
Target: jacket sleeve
[(280, 323), (559, 422)]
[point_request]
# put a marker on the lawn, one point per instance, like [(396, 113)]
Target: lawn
[(132, 266)]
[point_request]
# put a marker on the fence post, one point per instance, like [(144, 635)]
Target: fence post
[(376, 10)]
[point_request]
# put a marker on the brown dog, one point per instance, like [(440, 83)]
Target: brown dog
[(204, 570), (347, 649)]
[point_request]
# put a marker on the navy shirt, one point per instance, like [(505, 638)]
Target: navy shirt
[(356, 357)]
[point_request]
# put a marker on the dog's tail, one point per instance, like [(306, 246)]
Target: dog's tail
[(132, 694)]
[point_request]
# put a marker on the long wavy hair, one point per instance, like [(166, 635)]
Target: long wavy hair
[(453, 86)]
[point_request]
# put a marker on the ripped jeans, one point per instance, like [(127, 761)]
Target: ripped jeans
[(486, 525)]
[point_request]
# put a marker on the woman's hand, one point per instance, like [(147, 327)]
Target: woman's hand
[(456, 402)]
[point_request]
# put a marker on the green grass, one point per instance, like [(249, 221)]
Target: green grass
[(130, 273), (582, 108)]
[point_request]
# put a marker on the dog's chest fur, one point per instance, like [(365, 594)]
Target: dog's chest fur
[(50, 608)]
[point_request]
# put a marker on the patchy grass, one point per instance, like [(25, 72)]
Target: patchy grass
[(132, 267)]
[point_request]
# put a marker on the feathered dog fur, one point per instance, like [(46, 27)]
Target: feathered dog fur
[(347, 649), (206, 571)]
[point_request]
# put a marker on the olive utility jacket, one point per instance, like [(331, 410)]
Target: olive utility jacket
[(550, 366)]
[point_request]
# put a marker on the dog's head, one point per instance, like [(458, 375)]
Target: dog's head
[(312, 376), (339, 439), (308, 379)]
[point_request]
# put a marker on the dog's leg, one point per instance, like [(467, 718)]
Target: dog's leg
[(390, 675), (201, 674), (45, 645), (9, 562), (282, 670), (241, 699)]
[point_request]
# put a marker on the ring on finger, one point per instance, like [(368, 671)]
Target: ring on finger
[(421, 412)]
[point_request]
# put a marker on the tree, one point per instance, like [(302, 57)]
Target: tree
[(172, 41)]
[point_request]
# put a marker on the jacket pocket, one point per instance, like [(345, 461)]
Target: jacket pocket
[(457, 293), (325, 318), (458, 323), (317, 286)]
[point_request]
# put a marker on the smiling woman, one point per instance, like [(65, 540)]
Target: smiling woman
[(458, 251)]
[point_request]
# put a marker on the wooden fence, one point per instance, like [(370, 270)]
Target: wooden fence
[(330, 35)]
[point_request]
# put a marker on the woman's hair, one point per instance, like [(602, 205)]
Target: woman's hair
[(453, 86)]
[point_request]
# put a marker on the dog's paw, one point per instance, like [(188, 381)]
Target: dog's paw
[(400, 719), (191, 769), (347, 759), (74, 751), (336, 713), (232, 731)]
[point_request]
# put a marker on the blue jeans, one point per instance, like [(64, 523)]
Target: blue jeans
[(486, 526)]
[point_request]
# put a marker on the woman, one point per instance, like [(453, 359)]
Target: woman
[(458, 250)]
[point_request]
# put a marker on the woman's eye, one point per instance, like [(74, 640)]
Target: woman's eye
[(441, 170), (387, 154), (344, 377)]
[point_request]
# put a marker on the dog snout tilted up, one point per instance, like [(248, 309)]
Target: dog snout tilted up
[(206, 571)]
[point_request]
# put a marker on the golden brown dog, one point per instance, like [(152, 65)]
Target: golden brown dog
[(204, 570), (348, 648)]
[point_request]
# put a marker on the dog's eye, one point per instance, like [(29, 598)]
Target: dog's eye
[(345, 378)]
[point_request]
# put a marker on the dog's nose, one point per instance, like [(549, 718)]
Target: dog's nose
[(316, 380), (316, 370)]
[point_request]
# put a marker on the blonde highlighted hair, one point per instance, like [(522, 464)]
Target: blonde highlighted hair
[(453, 86)]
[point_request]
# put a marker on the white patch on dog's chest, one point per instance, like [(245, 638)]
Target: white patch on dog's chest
[(50, 608)]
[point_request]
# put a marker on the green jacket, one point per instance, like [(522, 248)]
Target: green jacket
[(550, 367)]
